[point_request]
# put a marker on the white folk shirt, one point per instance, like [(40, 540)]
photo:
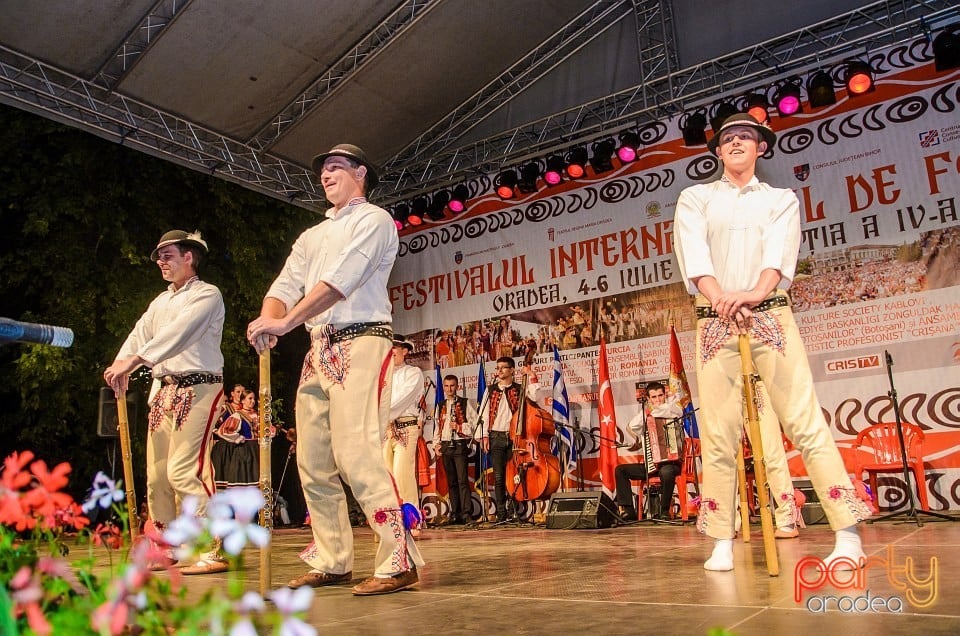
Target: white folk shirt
[(353, 251), (448, 423), (733, 234), (406, 392), (180, 332), (501, 422)]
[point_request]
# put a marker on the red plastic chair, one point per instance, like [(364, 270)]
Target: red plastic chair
[(688, 473), (881, 441)]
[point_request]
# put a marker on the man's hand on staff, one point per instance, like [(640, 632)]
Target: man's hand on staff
[(262, 332), (117, 375), (736, 307)]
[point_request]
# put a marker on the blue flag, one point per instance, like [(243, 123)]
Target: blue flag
[(481, 384), (481, 389)]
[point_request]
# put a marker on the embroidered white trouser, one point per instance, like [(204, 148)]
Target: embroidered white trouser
[(342, 407), (774, 460), (400, 458), (782, 365), (178, 457)]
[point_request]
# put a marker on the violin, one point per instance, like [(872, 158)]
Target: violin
[(533, 471)]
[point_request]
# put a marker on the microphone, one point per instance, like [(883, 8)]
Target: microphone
[(888, 358), (16, 331)]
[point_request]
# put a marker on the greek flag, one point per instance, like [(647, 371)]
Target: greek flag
[(561, 410)]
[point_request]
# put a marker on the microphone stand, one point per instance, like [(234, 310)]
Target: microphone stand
[(912, 513)]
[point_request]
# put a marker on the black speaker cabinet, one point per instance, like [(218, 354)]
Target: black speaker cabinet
[(812, 511), (107, 420), (580, 510)]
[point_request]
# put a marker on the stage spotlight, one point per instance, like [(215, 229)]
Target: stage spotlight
[(418, 208), (553, 175), (820, 89), (576, 162), (529, 173), (787, 98), (458, 199), (946, 49), (505, 182), (438, 203), (693, 126), (602, 155), (629, 142), (400, 214), (719, 113), (757, 106), (858, 77)]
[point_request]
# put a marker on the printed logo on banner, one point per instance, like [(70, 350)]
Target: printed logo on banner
[(458, 257), (843, 365), (930, 138), (653, 209), (802, 171), (551, 233)]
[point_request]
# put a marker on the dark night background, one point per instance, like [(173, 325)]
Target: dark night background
[(79, 217)]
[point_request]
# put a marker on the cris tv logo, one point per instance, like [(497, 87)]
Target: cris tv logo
[(843, 365), (811, 574)]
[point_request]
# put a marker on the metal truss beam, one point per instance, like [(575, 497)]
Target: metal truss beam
[(46, 90), (880, 24), (545, 57), (141, 38), (340, 72)]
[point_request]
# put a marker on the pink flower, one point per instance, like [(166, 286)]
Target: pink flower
[(26, 595), (836, 492), (380, 516)]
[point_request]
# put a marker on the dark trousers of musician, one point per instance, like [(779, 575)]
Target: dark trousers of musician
[(500, 450), (454, 454), (667, 472)]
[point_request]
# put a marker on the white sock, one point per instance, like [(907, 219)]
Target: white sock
[(722, 558), (847, 546)]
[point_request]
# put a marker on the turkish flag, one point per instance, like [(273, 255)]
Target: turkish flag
[(608, 426)]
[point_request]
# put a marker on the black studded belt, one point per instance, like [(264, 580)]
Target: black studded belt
[(769, 303), (355, 330), (189, 379), (404, 422)]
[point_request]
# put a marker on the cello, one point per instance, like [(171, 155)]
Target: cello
[(533, 470)]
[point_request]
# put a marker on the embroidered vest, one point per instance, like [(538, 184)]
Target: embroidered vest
[(459, 414), (513, 399)]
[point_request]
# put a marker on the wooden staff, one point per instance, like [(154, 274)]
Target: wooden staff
[(266, 478), (759, 469), (742, 488), (126, 457)]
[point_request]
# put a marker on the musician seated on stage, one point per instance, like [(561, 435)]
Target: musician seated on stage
[(666, 470)]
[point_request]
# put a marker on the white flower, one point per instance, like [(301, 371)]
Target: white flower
[(251, 602), (105, 492), (232, 515), (243, 627), (186, 528), (290, 602)]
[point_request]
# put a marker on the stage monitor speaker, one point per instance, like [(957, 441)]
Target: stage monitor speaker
[(107, 419), (812, 511), (580, 510)]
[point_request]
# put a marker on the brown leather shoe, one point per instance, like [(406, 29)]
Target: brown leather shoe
[(395, 583), (786, 533), (320, 579)]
